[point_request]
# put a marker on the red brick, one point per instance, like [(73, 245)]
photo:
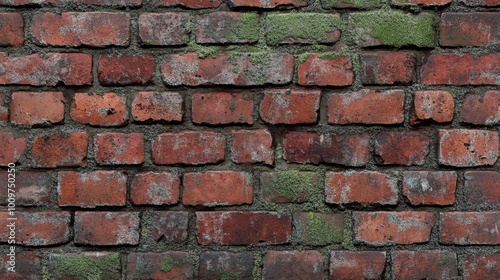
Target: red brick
[(11, 148), (95, 29), (38, 228), (387, 68), (32, 188), (365, 187), (192, 4), (430, 187), (470, 228), (481, 187), (432, 105), (310, 147), (346, 265), (27, 266), (167, 265), (114, 3), (170, 225), (60, 149), (243, 228), (112, 148), (481, 2), (481, 111), (467, 147), (252, 146), (289, 186), (364, 107), (155, 188), (157, 106), (92, 189), (424, 265), (422, 2), (215, 264), (318, 229), (29, 2), (37, 108), (213, 188), (70, 69), (11, 30), (460, 69), (126, 69), (389, 228), (4, 109), (469, 29), (222, 108), (401, 147), (226, 27), (317, 71), (482, 266), (188, 147), (108, 109), (242, 69), (107, 228), (84, 265), (163, 29), (293, 265), (285, 106), (267, 4), (118, 3)]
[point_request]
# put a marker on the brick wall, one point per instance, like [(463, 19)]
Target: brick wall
[(245, 139)]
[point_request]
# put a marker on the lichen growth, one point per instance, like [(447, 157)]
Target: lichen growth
[(45, 273), (84, 267), (229, 275), (320, 232), (247, 27), (203, 51), (256, 271), (443, 259), (292, 185), (347, 240), (303, 57), (166, 265), (361, 4)]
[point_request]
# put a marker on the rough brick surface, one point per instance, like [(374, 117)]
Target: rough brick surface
[(422, 2), (464, 228), (252, 146), (167, 265), (267, 4), (357, 265), (481, 110), (60, 149), (469, 29), (405, 148), (203, 4), (293, 264), (432, 105), (165, 29), (119, 148), (4, 110), (482, 187), (99, 110), (107, 228), (11, 27), (290, 106), (424, 265), (157, 106), (28, 266), (387, 68), (482, 266), (126, 69), (227, 27), (318, 70), (430, 187), (33, 188), (11, 148), (37, 108), (222, 108), (215, 264), (170, 225), (155, 188)]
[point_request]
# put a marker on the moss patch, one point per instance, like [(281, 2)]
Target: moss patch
[(292, 185), (247, 27), (203, 51), (329, 55), (84, 267), (320, 232), (361, 4), (229, 275), (169, 263), (443, 259)]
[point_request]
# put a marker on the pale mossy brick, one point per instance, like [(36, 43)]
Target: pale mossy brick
[(359, 4), (90, 266)]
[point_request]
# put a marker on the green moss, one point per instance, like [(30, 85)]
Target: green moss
[(229, 275), (45, 273), (292, 185), (329, 55), (347, 241), (443, 258), (321, 233), (361, 4), (203, 51), (395, 28), (148, 41), (256, 271), (262, 58), (166, 265), (303, 57), (309, 26), (86, 267), (356, 64), (247, 27)]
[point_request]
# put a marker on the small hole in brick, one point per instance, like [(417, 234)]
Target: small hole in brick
[(110, 111)]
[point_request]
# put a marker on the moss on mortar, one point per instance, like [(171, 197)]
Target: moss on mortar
[(247, 27), (329, 55), (229, 275), (362, 4), (321, 233), (84, 267), (203, 51)]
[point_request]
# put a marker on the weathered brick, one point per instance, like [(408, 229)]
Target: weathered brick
[(157, 106), (481, 187), (252, 146), (401, 147), (310, 147), (422, 2), (467, 147), (95, 29), (70, 69), (267, 4), (243, 228), (92, 189), (365, 187), (285, 106), (126, 69), (27, 265), (482, 266), (107, 228), (318, 229), (112, 148), (289, 186), (188, 147), (38, 228), (293, 265), (192, 4), (481, 111), (432, 105), (357, 265), (387, 68), (215, 265), (480, 2), (358, 4), (430, 187), (389, 228), (32, 188), (29, 2), (364, 107), (460, 69), (213, 188), (469, 29), (167, 265), (308, 28), (324, 70), (11, 148), (37, 108), (4, 109), (242, 69), (424, 265), (227, 27), (163, 29), (393, 28), (117, 3), (113, 3), (85, 265), (222, 108), (108, 109), (470, 228), (60, 149), (155, 188), (171, 225), (11, 30)]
